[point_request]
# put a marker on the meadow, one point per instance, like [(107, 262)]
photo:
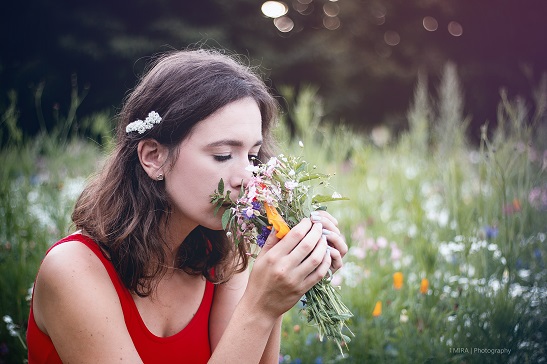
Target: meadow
[(447, 236)]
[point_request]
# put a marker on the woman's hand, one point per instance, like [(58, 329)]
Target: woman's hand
[(286, 269), (281, 274)]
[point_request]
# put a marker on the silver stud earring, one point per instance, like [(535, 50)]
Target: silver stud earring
[(160, 177)]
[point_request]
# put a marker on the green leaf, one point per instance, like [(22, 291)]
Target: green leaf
[(311, 176), (218, 206), (221, 187), (300, 167), (226, 216), (327, 198)]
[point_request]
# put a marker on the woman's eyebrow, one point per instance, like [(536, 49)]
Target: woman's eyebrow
[(231, 143)]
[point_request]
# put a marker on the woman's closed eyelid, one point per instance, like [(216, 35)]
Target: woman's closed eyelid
[(222, 157), (225, 157)]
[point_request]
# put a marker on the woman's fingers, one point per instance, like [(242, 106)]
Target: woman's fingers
[(323, 268), (334, 238), (326, 219), (336, 260), (293, 238), (307, 246)]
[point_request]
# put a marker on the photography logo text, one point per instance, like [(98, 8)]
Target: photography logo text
[(490, 351)]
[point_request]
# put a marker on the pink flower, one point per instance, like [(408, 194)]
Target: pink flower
[(382, 242), (358, 252), (371, 244), (270, 166), (358, 233), (396, 253), (249, 212)]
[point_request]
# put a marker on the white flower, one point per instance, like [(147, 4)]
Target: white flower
[(291, 185), (142, 126), (251, 168), (403, 317)]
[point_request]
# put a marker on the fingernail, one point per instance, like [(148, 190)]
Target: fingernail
[(315, 217), (326, 232)]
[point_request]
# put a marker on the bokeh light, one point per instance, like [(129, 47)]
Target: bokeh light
[(380, 21), (383, 50), (455, 28), (392, 38), (331, 22), (331, 9), (274, 9), (430, 24), (298, 6), (284, 24)]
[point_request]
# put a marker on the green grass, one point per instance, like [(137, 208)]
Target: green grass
[(469, 219), (472, 220)]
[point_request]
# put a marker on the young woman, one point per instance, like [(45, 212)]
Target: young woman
[(150, 276)]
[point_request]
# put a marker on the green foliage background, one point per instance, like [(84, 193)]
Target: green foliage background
[(425, 202)]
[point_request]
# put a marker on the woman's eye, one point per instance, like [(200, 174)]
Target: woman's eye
[(222, 158)]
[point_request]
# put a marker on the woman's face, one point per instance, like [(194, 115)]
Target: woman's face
[(219, 146)]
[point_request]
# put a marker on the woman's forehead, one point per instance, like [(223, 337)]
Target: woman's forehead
[(236, 121)]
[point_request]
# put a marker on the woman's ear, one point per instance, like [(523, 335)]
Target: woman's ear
[(152, 156)]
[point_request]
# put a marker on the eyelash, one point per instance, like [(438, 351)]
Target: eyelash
[(224, 158)]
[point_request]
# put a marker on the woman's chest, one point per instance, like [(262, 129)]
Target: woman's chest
[(172, 306)]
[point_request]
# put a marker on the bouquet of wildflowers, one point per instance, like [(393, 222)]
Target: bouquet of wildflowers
[(280, 194)]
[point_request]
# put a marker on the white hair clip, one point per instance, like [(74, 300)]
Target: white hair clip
[(142, 126)]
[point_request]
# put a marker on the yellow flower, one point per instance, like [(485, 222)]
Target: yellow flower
[(424, 286), (377, 309), (280, 226), (397, 280)]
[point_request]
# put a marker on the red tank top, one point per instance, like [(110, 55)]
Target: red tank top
[(190, 345)]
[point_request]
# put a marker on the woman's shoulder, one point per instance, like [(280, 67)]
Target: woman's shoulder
[(71, 274), (70, 257), (76, 304)]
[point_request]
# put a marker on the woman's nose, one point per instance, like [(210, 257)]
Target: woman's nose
[(241, 176)]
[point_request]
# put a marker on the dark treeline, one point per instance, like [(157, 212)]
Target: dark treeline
[(365, 67)]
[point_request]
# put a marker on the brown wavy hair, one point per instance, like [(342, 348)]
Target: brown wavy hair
[(125, 211)]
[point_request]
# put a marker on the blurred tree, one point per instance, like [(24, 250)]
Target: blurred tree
[(364, 56)]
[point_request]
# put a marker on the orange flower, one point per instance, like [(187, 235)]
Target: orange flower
[(397, 280), (377, 309), (424, 286), (280, 226), (516, 204)]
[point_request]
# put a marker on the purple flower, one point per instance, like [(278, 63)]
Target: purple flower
[(491, 232), (256, 205), (261, 238), (538, 198)]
